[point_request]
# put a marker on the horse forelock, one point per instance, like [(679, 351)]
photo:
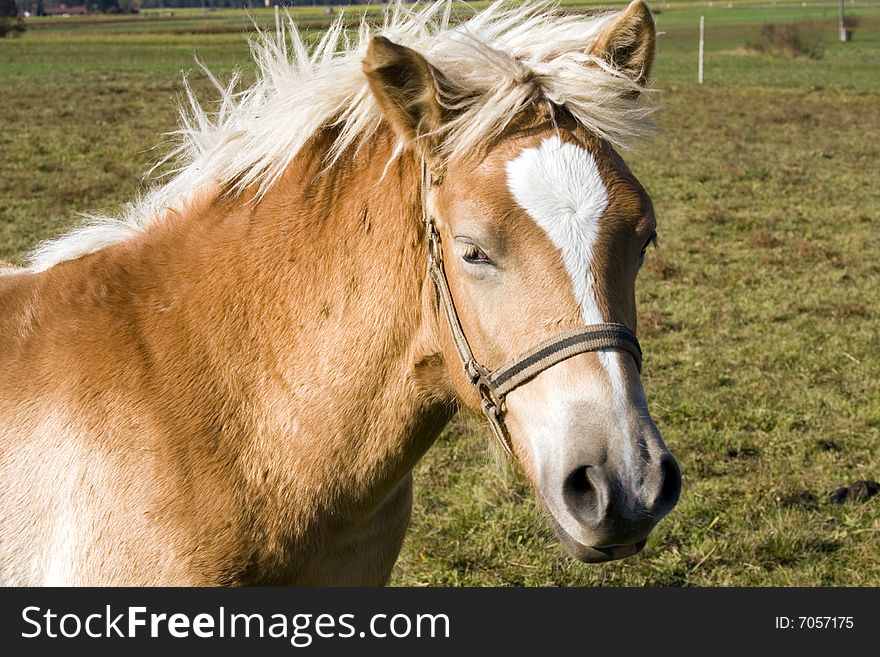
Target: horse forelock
[(497, 63)]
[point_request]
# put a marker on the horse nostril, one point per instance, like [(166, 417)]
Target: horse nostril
[(578, 482), (671, 488), (583, 494)]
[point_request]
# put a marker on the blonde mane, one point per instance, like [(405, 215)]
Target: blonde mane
[(496, 62)]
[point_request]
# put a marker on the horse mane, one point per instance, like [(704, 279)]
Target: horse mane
[(495, 64)]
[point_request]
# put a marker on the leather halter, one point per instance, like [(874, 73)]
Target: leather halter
[(494, 385)]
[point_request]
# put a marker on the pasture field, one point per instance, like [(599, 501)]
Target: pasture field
[(759, 313)]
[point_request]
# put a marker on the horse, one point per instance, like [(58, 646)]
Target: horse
[(231, 382)]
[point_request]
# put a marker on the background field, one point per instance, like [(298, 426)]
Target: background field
[(758, 314)]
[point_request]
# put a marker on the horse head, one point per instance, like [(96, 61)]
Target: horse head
[(541, 230)]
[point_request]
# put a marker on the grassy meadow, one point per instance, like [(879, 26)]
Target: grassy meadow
[(758, 313)]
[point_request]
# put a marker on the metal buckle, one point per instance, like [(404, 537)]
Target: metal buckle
[(434, 253), (491, 402)]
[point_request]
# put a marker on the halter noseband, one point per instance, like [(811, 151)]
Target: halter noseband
[(494, 385)]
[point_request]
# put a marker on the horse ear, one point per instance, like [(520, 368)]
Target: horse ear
[(406, 87), (629, 42)]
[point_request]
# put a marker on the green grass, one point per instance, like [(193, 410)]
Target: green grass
[(758, 314)]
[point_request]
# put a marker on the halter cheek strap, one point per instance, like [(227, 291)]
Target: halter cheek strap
[(494, 385)]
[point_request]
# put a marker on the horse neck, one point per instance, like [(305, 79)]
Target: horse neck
[(312, 312)]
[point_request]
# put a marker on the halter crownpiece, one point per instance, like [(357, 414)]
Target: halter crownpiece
[(494, 385)]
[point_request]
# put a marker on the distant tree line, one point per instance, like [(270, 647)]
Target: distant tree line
[(35, 7), (154, 4), (11, 24)]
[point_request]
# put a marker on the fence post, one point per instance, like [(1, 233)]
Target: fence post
[(700, 74)]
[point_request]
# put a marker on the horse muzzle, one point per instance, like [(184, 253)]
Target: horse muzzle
[(596, 521)]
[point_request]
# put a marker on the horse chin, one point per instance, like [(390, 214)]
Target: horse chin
[(589, 554)]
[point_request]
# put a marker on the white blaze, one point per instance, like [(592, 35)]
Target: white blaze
[(559, 185)]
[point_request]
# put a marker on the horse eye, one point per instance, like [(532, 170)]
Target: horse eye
[(475, 256)]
